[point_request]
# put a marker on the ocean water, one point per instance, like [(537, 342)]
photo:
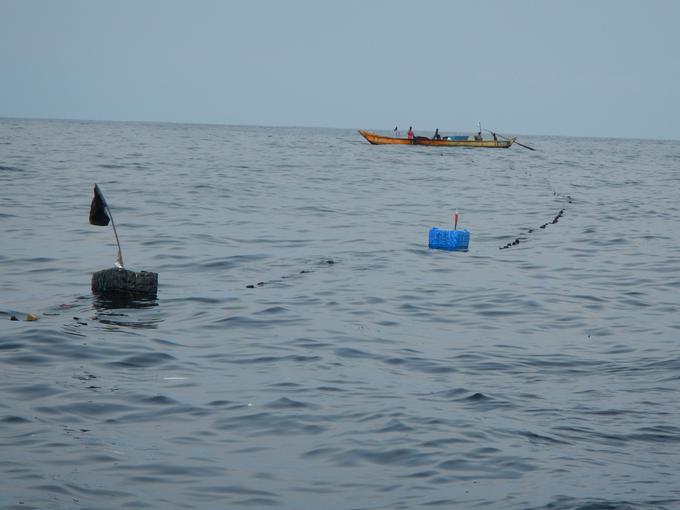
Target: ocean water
[(307, 350)]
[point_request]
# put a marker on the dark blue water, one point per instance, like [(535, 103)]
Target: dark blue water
[(308, 351)]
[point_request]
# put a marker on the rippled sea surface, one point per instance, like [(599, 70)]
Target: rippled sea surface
[(307, 350)]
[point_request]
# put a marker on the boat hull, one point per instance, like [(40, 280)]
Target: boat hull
[(389, 140)]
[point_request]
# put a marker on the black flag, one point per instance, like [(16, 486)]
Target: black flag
[(98, 214)]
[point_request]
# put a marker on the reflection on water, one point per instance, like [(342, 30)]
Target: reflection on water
[(114, 301), (125, 310)]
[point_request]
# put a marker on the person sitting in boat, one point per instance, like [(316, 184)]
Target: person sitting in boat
[(410, 133), (478, 136), (436, 135)]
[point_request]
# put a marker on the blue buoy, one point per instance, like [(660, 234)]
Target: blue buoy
[(452, 240)]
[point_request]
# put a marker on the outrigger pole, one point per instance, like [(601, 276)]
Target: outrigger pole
[(515, 140)]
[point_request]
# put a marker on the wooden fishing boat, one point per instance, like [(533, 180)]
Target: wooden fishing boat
[(457, 141)]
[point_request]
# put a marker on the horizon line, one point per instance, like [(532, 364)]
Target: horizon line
[(291, 126)]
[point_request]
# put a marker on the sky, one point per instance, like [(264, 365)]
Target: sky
[(604, 68)]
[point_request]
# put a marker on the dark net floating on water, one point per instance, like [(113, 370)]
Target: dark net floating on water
[(534, 378), (123, 281)]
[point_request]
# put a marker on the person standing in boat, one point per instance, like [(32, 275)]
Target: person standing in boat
[(478, 136), (410, 133), (436, 135)]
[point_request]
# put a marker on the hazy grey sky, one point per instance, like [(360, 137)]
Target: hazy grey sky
[(577, 67)]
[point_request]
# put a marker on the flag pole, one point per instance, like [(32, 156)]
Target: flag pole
[(119, 253), (95, 219)]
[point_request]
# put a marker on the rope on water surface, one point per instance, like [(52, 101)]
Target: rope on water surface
[(521, 238), (324, 262)]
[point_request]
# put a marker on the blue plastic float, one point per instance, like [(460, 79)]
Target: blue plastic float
[(452, 240)]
